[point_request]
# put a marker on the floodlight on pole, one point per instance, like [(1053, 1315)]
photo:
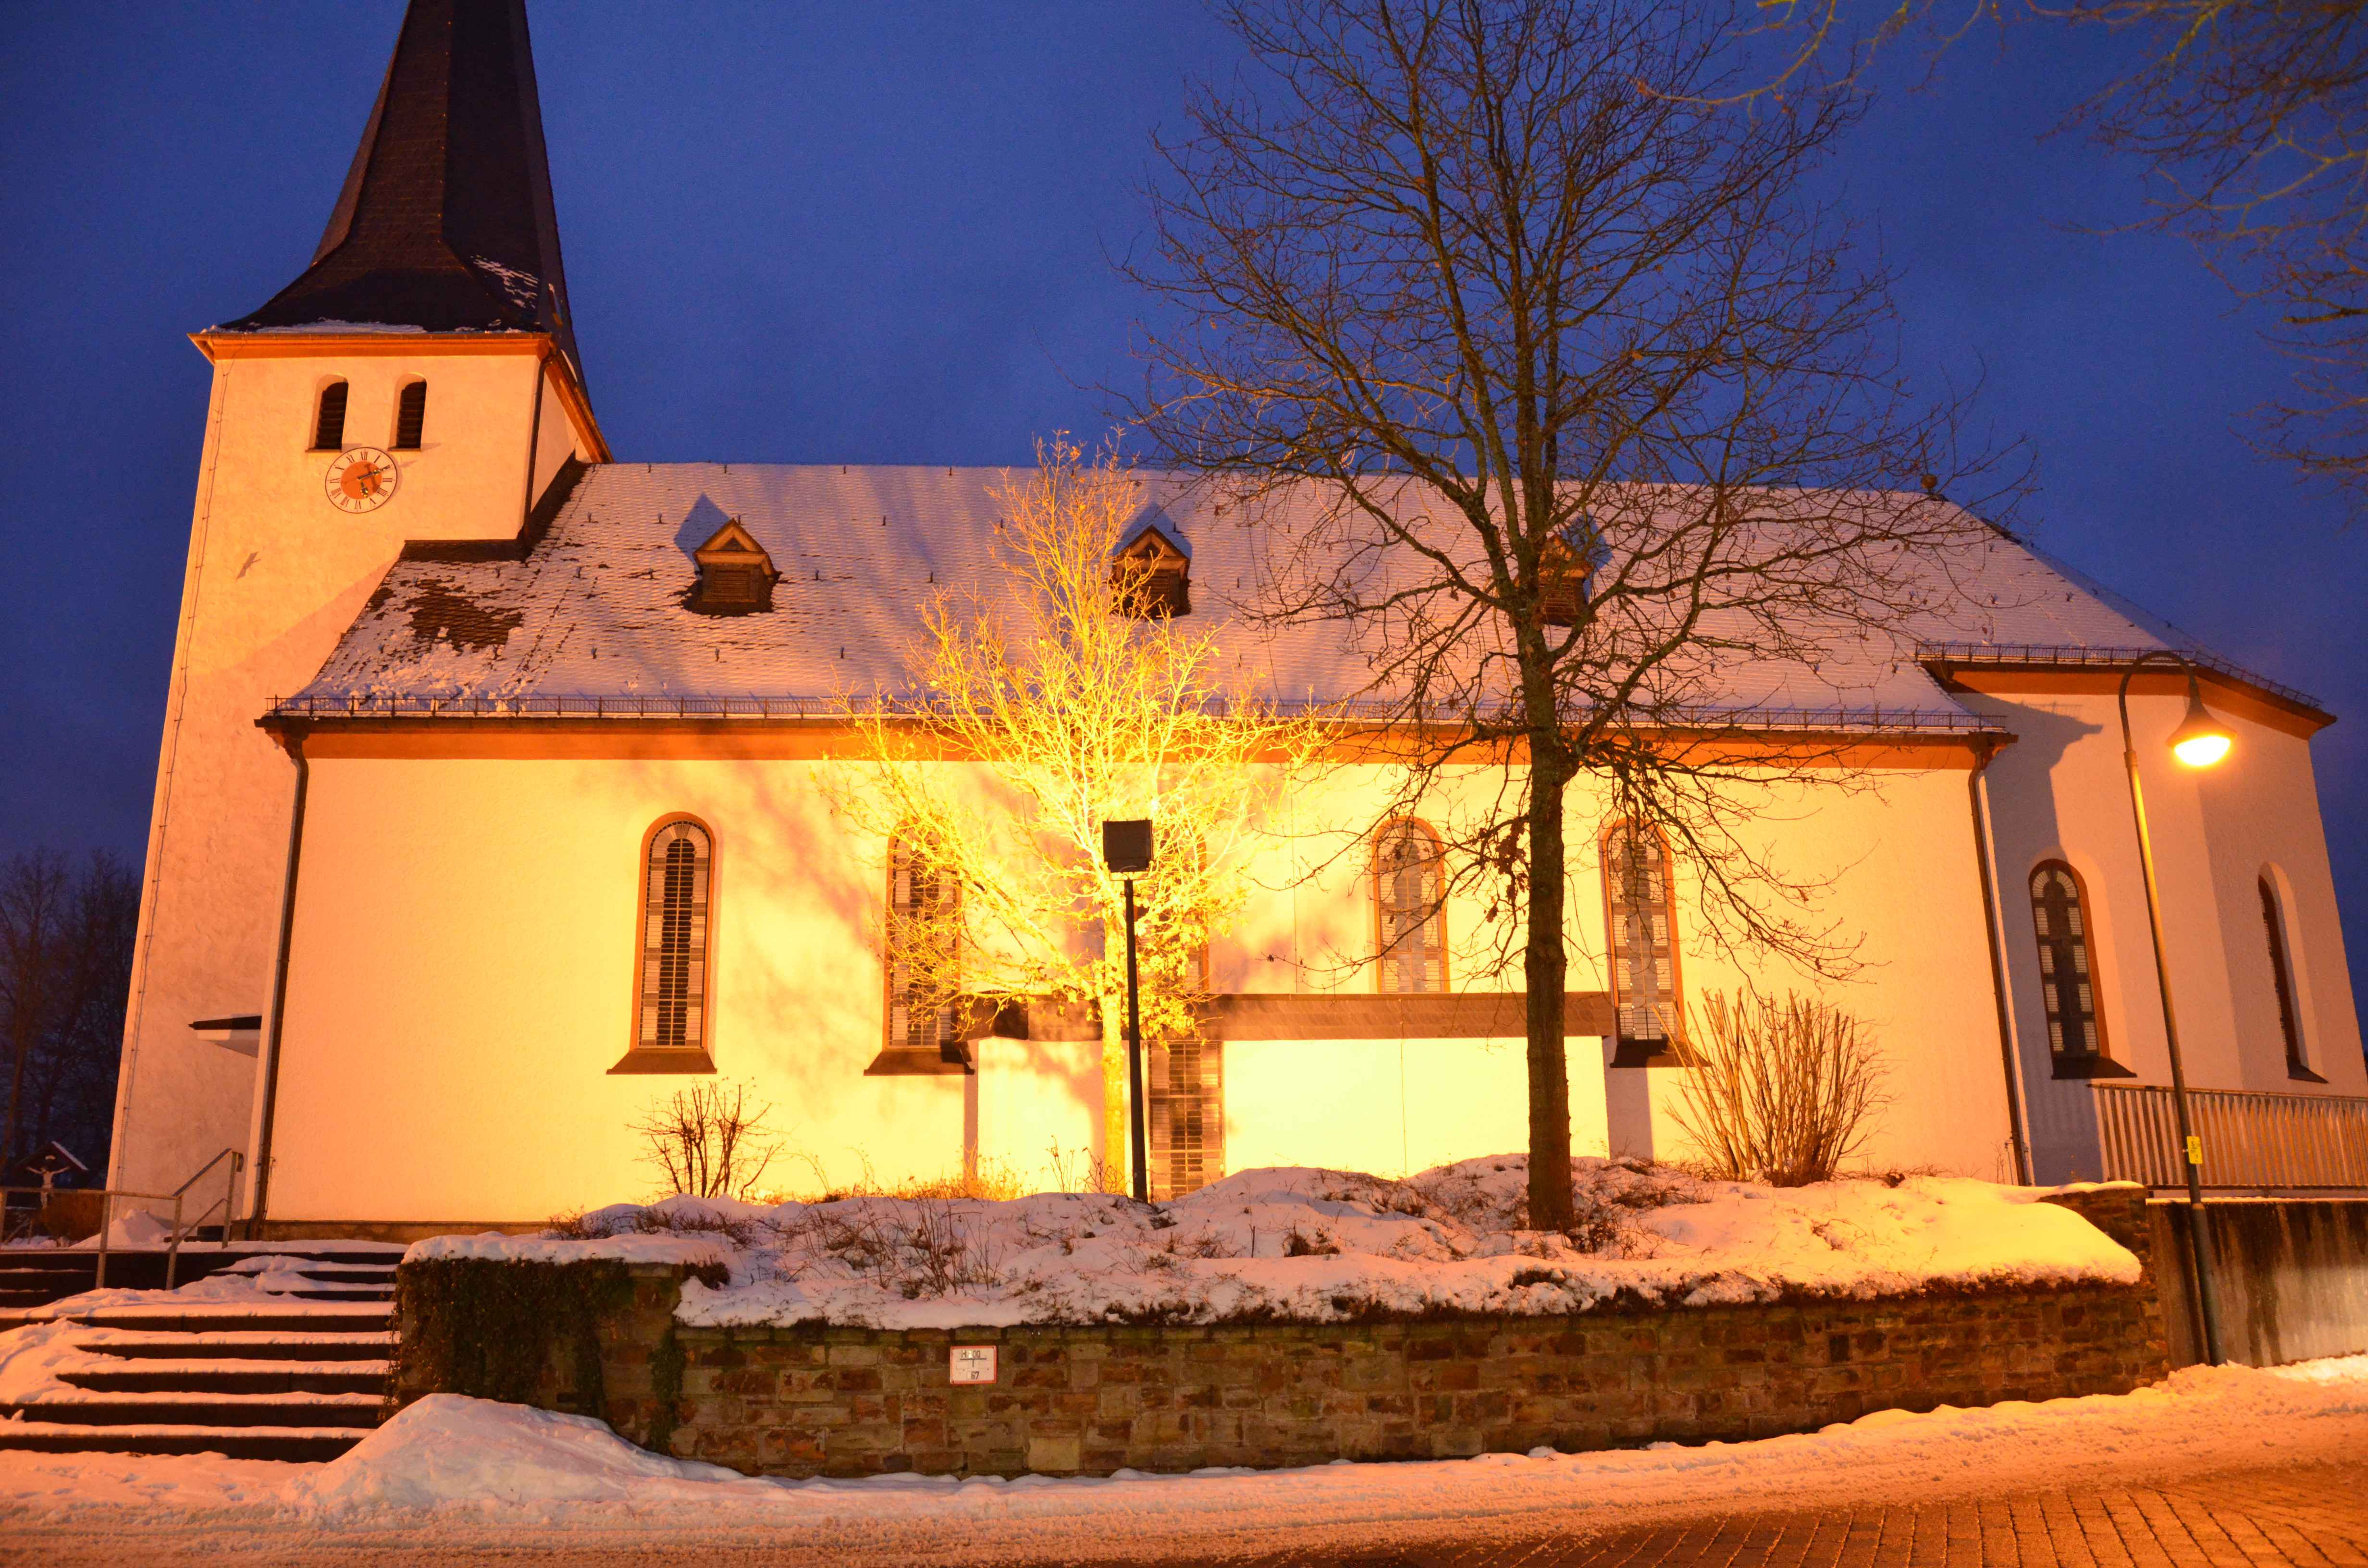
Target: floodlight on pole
[(1126, 851), (2200, 741)]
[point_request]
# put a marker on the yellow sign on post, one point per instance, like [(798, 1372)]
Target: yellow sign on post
[(2195, 1149)]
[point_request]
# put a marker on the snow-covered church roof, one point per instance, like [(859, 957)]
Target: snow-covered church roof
[(595, 617)]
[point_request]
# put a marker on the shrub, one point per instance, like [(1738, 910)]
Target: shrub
[(708, 1139), (1781, 1092)]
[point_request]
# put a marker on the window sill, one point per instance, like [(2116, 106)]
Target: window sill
[(1638, 1053), (2090, 1067), (898, 1062), (2303, 1074), (642, 1060)]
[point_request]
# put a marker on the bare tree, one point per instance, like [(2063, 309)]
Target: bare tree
[(1603, 410), (65, 969)]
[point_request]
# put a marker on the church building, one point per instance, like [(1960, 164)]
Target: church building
[(490, 811)]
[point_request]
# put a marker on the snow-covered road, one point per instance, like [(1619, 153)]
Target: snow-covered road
[(454, 1477)]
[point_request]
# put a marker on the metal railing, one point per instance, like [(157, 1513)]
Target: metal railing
[(181, 1227), (2252, 1141), (106, 1197), (1712, 719), (2065, 656)]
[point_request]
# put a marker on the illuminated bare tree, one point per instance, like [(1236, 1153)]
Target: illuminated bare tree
[(1072, 699), (1603, 405)]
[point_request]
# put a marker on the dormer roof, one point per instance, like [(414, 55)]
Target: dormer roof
[(446, 222)]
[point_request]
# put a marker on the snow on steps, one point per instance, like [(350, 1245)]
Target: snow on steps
[(298, 1374), (33, 1277)]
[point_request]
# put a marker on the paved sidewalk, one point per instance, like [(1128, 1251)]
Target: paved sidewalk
[(2311, 1514)]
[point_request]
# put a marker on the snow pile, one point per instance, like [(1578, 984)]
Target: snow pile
[(451, 1472), (448, 1448), (1301, 1245)]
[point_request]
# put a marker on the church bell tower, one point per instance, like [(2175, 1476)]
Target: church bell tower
[(418, 382)]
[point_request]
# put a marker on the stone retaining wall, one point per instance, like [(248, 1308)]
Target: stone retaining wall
[(846, 1402)]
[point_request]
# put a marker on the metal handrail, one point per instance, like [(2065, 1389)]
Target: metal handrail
[(106, 1197), (227, 1203)]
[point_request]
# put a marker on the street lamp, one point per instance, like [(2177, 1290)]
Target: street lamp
[(1126, 850), (2200, 741)]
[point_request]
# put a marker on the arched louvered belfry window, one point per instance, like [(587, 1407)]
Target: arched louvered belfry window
[(410, 416), (329, 419), (1642, 921), (678, 928), (924, 952), (1410, 902), (2273, 924), (2067, 982)]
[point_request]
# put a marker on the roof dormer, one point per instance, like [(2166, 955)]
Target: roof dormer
[(1150, 574), (735, 575)]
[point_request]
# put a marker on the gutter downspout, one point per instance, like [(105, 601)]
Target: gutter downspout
[(294, 741), (2018, 1120)]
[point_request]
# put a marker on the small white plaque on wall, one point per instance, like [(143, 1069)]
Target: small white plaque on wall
[(972, 1363)]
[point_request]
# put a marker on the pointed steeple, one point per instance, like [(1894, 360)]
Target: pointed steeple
[(446, 219)]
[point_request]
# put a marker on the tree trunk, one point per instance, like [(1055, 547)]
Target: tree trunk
[(1545, 967)]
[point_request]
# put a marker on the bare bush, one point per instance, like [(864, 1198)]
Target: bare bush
[(1781, 1092), (709, 1141)]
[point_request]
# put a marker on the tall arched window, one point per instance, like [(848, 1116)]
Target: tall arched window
[(2273, 924), (1642, 921), (1410, 903), (677, 872), (329, 419), (410, 416), (924, 952), (1186, 1072), (2076, 1025)]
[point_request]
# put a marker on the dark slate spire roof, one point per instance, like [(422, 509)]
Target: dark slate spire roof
[(445, 220)]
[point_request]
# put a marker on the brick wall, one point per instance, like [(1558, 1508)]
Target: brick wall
[(846, 1402)]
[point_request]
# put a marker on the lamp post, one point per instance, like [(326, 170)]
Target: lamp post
[(1126, 850), (2200, 741)]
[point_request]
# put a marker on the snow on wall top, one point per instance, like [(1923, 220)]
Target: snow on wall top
[(597, 608), (1307, 1245)]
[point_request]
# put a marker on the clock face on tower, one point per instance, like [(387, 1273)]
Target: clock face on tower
[(361, 479)]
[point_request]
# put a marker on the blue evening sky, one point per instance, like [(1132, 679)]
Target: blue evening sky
[(806, 232)]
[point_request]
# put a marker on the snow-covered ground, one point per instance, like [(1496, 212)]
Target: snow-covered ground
[(451, 1472), (1318, 1246)]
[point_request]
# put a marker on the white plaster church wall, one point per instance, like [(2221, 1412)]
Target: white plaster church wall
[(275, 575), (2060, 792), (462, 971)]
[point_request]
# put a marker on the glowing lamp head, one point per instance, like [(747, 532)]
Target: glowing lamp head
[(2200, 740)]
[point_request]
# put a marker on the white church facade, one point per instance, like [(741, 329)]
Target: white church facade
[(477, 827)]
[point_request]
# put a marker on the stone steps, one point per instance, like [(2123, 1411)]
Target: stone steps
[(299, 1375)]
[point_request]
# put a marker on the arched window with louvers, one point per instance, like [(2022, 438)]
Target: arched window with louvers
[(329, 418), (2061, 920), (2282, 982), (924, 955), (410, 416), (678, 970), (1640, 918), (1410, 907)]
